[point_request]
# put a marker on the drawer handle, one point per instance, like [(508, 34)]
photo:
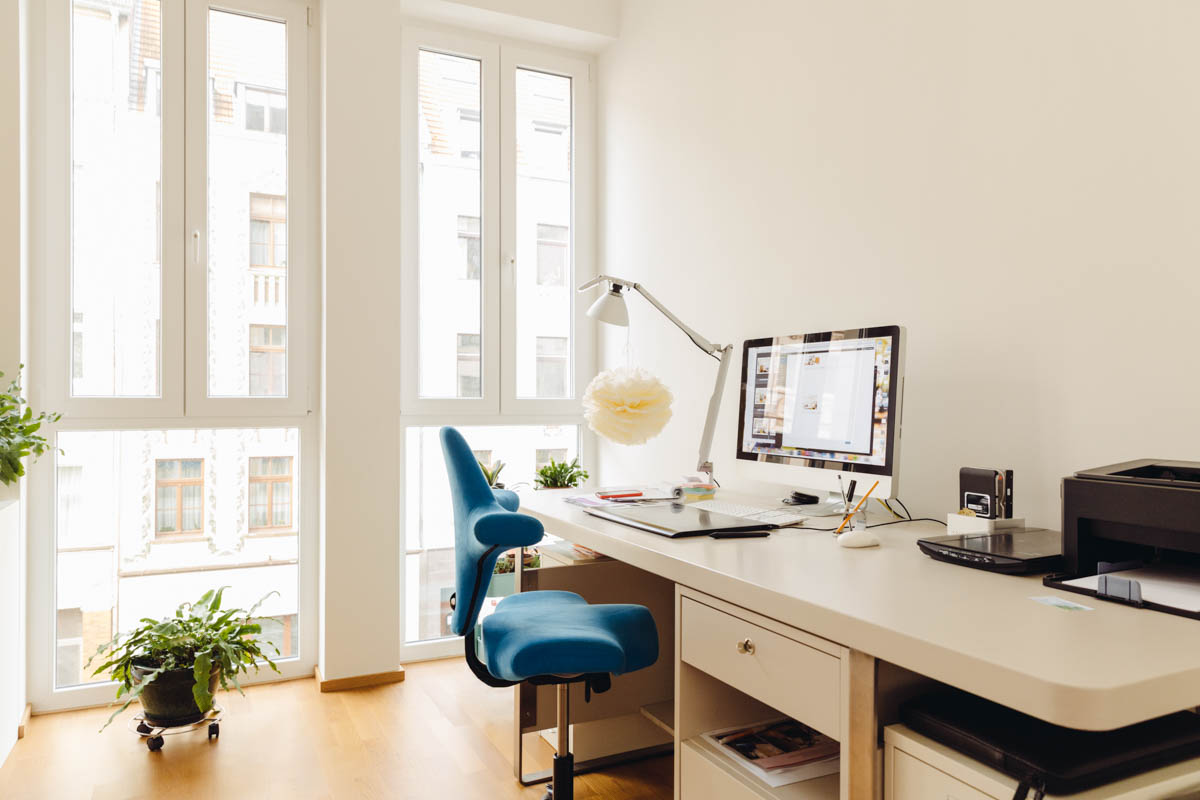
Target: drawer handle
[(745, 647)]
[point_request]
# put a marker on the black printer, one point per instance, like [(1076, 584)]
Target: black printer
[(1131, 534)]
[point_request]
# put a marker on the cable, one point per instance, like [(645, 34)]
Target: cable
[(891, 510), (902, 521), (906, 511)]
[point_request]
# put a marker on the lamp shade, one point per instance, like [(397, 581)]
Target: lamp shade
[(610, 307)]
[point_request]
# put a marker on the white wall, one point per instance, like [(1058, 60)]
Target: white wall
[(13, 339), (360, 430), (1016, 182)]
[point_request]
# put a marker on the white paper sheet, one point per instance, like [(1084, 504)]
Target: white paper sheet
[(1177, 587)]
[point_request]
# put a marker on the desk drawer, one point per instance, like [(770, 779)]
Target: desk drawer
[(913, 779), (800, 681)]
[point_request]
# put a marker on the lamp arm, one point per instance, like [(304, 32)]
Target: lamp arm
[(704, 344), (704, 462)]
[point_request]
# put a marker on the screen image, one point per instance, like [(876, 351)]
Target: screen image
[(819, 398)]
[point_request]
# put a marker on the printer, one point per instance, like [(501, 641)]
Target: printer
[(1131, 534)]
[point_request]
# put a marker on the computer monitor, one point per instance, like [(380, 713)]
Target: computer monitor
[(818, 405)]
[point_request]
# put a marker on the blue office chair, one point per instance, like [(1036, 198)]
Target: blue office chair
[(544, 637)]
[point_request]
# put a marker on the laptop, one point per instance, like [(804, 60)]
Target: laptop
[(676, 519)]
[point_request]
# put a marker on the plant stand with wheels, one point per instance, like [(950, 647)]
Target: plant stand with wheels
[(153, 734)]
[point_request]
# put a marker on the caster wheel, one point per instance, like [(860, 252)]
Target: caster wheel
[(143, 728), (214, 731), (549, 795), (154, 743)]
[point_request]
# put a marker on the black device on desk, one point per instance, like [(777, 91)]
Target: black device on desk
[(1020, 551), (676, 520), (1131, 534)]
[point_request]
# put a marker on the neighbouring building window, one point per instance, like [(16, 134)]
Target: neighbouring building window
[(468, 246), (266, 111), (179, 496), (551, 366), (546, 455), (268, 230), (268, 360), (483, 457), (552, 255), (271, 493), (468, 365)]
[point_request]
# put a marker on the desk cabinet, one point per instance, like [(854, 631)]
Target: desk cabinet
[(736, 667), (918, 768)]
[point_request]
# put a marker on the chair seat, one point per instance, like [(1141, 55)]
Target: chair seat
[(559, 633)]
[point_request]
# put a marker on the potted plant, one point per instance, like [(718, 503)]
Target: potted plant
[(19, 433), (493, 474), (560, 475), (504, 576), (173, 665)]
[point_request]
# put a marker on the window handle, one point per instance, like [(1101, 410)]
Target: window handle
[(196, 246)]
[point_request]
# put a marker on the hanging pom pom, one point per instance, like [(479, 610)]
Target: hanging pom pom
[(627, 405)]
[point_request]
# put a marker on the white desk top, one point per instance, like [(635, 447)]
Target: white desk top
[(979, 631)]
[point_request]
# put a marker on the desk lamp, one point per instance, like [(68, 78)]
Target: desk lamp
[(610, 308)]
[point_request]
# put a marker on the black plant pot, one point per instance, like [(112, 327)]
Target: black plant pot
[(168, 701)]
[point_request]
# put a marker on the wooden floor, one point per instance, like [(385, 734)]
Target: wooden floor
[(439, 734)]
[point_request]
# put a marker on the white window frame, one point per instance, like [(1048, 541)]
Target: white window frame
[(499, 405), (183, 402)]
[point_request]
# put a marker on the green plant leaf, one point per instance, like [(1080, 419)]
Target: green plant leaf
[(202, 671)]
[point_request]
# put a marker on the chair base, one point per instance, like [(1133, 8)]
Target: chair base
[(562, 785)]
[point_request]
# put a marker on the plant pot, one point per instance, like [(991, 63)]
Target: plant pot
[(168, 702)]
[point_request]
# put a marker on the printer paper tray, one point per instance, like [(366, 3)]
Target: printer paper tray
[(1170, 589)]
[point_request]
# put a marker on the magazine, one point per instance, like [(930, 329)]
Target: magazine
[(778, 751)]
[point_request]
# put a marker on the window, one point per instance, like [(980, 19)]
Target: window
[(179, 496), (545, 456), (468, 244), (552, 255), (162, 245), (266, 110), (268, 230), (268, 360), (468, 365), (496, 175), (551, 366), (270, 493)]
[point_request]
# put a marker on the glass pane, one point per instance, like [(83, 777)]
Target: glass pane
[(116, 220), (259, 504), (281, 504), (247, 201), (429, 520), (545, 266), (450, 257), (114, 568)]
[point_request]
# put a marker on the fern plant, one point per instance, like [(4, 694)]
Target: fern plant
[(19, 432), (561, 475), (493, 474), (201, 637)]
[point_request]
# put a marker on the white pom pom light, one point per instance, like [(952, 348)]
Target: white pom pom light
[(627, 405)]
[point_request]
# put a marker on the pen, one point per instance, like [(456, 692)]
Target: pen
[(857, 507), (842, 489), (850, 492)]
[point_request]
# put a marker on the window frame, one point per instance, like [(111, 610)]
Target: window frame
[(179, 534), (499, 404), (50, 25), (272, 529)]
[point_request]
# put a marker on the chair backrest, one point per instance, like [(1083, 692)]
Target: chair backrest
[(485, 526)]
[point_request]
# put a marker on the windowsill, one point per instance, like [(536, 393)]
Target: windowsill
[(171, 538), (269, 533)]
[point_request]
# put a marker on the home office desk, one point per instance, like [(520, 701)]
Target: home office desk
[(832, 636)]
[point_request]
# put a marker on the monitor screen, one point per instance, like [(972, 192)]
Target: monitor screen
[(820, 399)]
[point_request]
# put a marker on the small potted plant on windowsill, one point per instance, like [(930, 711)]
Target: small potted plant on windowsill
[(560, 475), (18, 436), (492, 474), (173, 665)]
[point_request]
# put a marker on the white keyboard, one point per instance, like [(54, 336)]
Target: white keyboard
[(776, 516)]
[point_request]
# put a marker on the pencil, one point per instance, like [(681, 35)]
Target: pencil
[(857, 507)]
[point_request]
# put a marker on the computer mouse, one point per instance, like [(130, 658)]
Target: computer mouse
[(859, 538)]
